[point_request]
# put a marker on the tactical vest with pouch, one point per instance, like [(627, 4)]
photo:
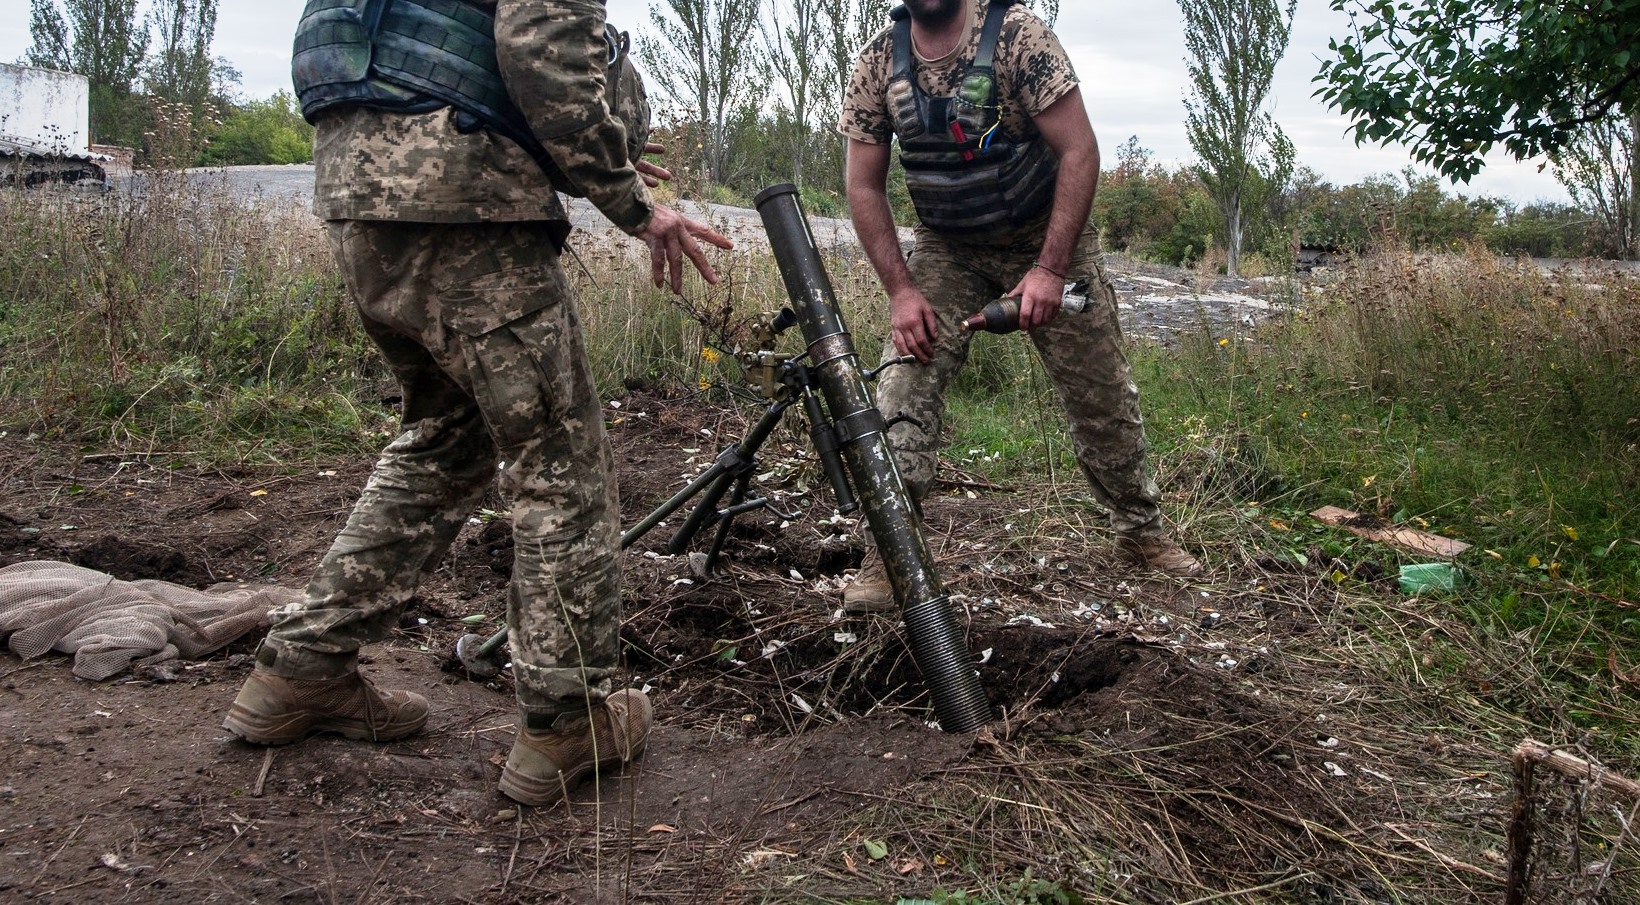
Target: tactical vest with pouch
[(416, 56), (967, 177)]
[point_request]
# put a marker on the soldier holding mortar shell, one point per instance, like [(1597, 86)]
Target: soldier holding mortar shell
[(1002, 164)]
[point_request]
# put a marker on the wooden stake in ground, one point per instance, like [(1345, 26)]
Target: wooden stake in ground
[(1528, 756)]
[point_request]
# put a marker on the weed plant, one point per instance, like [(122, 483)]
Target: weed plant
[(174, 315)]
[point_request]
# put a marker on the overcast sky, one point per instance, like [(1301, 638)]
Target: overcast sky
[(1129, 54)]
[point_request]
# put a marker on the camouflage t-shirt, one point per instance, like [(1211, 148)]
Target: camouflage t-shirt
[(1032, 72), (372, 165)]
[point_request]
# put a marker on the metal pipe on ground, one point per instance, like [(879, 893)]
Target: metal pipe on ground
[(932, 631)]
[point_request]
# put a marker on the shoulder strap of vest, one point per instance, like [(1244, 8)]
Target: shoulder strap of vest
[(984, 57), (372, 16), (902, 42)]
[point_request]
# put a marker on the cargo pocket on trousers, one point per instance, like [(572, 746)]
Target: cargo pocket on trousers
[(513, 330), (476, 304)]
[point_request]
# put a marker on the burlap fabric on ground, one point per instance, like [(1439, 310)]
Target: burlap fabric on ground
[(107, 623)]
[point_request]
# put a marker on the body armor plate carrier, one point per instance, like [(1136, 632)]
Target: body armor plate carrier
[(966, 176), (416, 56)]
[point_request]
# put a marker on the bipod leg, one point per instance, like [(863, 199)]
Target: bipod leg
[(707, 477), (734, 462), (730, 461), (727, 517), (705, 510), (738, 461)]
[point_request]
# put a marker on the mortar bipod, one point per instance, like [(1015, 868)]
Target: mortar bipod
[(795, 382)]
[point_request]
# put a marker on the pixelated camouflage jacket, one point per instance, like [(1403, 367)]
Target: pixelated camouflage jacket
[(374, 165)]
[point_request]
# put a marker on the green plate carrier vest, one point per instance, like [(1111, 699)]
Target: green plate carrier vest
[(966, 176), (416, 56)]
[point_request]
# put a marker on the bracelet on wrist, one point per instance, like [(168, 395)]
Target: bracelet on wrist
[(1048, 269)]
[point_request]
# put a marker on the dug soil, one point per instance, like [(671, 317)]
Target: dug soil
[(780, 721)]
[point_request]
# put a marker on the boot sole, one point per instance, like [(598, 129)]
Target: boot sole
[(540, 793), (261, 729)]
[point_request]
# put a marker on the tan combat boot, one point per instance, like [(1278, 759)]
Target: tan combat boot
[(1159, 552), (273, 710), (870, 591), (545, 766)]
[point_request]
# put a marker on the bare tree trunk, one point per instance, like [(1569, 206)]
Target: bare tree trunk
[(1633, 237), (1232, 238)]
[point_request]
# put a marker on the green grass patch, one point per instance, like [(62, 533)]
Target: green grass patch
[(181, 317)]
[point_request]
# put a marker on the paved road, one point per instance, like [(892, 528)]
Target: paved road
[(294, 184)]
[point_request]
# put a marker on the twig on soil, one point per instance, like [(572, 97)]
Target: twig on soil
[(262, 777), (512, 859), (59, 850), (153, 454), (1446, 860), (35, 665), (1577, 768), (57, 889), (370, 888)]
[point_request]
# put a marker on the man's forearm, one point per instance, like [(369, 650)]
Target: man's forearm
[(1072, 203), (562, 97), (879, 237)]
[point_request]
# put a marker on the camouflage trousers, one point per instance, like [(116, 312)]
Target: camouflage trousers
[(1082, 353), (481, 329)]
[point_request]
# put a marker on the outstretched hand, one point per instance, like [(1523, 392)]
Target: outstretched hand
[(671, 236), (653, 174)]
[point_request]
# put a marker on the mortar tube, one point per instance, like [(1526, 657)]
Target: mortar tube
[(935, 639)]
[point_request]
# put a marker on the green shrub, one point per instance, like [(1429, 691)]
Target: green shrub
[(260, 132)]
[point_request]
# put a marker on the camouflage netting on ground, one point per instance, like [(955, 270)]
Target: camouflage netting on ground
[(107, 623)]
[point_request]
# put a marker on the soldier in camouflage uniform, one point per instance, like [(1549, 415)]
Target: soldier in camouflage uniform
[(448, 240), (971, 248)]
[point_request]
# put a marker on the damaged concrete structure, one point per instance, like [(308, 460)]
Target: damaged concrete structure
[(45, 129)]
